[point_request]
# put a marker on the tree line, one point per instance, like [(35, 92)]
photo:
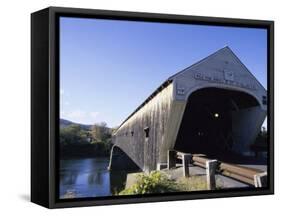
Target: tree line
[(97, 141)]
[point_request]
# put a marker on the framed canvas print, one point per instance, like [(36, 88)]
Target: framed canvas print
[(138, 107)]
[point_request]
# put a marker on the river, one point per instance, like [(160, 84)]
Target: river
[(86, 178)]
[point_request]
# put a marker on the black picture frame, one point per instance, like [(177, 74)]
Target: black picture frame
[(45, 105)]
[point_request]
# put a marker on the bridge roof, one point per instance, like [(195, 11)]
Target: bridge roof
[(172, 78)]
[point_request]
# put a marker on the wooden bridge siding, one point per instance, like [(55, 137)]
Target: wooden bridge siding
[(174, 122), (154, 115)]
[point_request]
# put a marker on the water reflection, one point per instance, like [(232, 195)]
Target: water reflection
[(84, 178)]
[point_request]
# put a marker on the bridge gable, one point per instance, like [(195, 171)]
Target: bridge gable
[(221, 69)]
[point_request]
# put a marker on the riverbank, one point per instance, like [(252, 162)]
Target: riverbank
[(84, 151)]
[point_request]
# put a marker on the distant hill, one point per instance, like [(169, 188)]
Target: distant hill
[(64, 123)]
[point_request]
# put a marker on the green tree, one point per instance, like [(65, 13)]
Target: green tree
[(100, 132), (73, 135)]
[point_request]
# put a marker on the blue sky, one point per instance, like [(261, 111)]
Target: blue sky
[(108, 68)]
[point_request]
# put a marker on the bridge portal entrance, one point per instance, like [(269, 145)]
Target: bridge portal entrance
[(215, 121)]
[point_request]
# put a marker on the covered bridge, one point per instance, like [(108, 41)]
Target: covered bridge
[(214, 106)]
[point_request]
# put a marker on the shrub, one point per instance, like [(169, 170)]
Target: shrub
[(158, 182), (155, 182)]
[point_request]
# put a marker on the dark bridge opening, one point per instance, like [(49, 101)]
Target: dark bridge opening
[(120, 161), (209, 119)]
